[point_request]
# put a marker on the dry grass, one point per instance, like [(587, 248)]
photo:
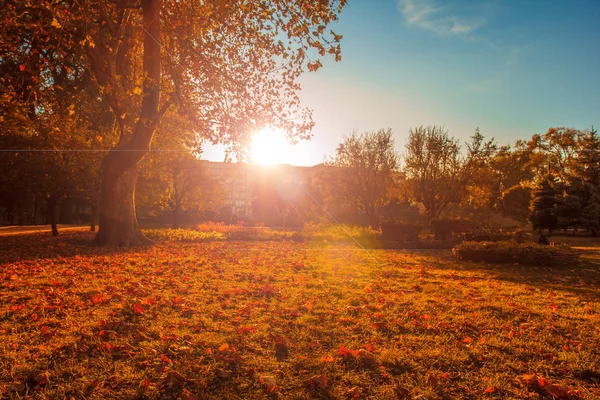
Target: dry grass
[(299, 320)]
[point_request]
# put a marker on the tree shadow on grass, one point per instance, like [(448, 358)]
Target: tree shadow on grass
[(43, 246), (582, 279)]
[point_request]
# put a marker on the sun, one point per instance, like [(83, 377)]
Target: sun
[(270, 147)]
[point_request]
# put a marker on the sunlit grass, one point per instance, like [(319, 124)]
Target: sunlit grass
[(213, 318)]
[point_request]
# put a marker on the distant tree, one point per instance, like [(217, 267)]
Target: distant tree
[(585, 181), (437, 171), (547, 198), (366, 171), (174, 182), (516, 201), (557, 149)]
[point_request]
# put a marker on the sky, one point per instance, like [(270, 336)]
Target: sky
[(513, 68)]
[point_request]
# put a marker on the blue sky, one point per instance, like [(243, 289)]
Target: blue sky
[(510, 67)]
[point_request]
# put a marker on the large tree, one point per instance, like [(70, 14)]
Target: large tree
[(230, 67), (367, 168)]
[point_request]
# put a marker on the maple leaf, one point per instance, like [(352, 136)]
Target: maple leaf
[(319, 381), (281, 347), (269, 382), (138, 309), (544, 387)]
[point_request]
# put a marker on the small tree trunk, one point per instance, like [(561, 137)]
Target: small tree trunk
[(53, 214), (94, 217), (176, 216)]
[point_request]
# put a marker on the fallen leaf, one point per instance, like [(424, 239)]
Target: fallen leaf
[(269, 383), (187, 395), (320, 381)]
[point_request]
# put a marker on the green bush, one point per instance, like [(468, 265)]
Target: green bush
[(445, 228), (401, 231), (510, 252)]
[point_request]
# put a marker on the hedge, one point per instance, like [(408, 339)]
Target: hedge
[(510, 252), (400, 231)]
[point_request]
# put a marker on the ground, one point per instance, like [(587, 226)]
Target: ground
[(289, 319)]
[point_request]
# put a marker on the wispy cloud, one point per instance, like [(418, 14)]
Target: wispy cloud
[(426, 14)]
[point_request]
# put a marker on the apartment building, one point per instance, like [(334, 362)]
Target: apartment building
[(239, 180)]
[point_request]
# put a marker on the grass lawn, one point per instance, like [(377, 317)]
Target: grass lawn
[(285, 319)]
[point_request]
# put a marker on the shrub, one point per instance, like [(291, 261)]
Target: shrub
[(444, 228), (495, 235), (512, 252), (401, 231)]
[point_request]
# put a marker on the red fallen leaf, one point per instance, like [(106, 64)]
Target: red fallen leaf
[(187, 395), (544, 387), (353, 393), (166, 359), (269, 383), (223, 374), (158, 368), (268, 290), (18, 387), (347, 353), (46, 332), (22, 67), (445, 375), (489, 390), (109, 334), (245, 329), (467, 340), (97, 298), (319, 381), (138, 309), (39, 377), (281, 347), (145, 383), (150, 301), (175, 378)]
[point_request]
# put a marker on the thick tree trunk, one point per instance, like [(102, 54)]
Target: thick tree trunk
[(94, 217), (118, 220), (53, 214)]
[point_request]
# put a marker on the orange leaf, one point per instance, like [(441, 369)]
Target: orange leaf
[(224, 347)]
